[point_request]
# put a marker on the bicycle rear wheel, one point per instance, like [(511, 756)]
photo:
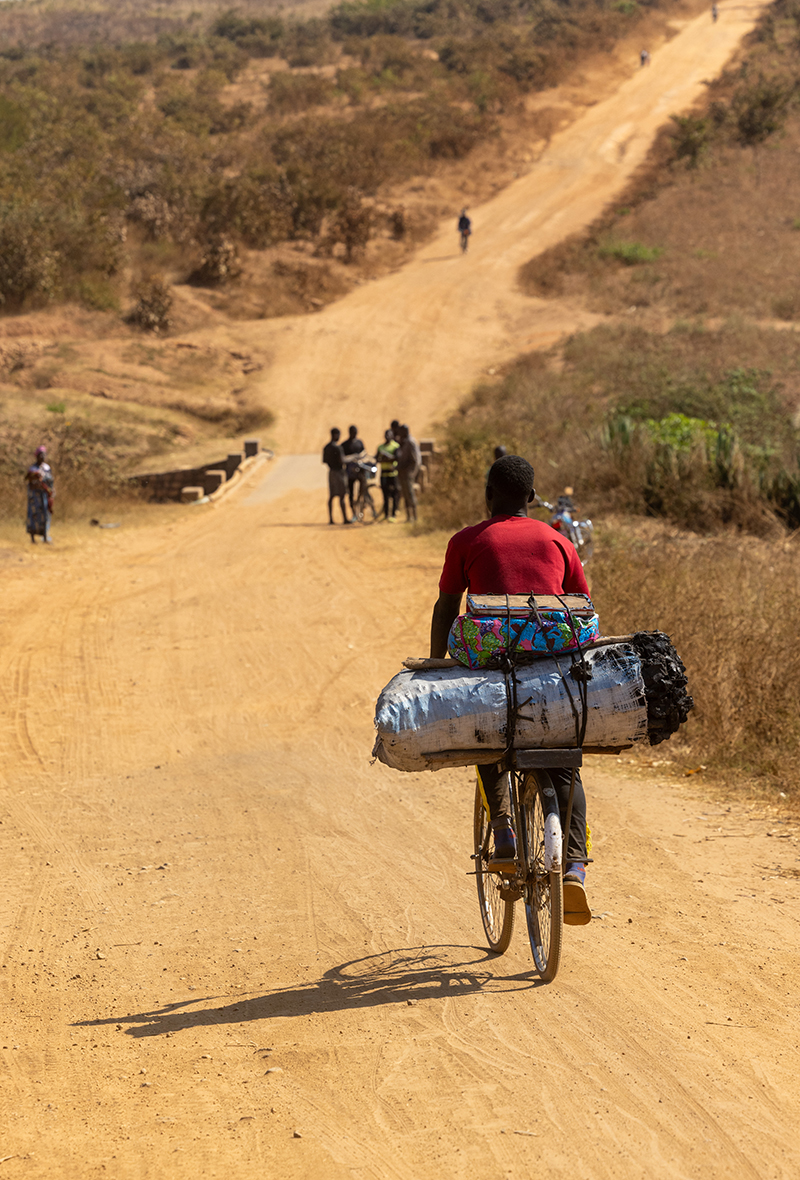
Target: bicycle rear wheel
[(497, 912), (544, 892)]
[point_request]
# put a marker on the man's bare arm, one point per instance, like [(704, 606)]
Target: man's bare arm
[(444, 613)]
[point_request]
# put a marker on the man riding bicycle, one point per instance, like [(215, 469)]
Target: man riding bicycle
[(513, 554)]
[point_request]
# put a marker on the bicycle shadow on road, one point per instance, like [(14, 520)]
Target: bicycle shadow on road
[(399, 976)]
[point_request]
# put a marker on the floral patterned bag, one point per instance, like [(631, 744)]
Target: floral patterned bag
[(497, 624)]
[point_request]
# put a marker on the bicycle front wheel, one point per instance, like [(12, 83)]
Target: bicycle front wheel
[(544, 891), (497, 912), (369, 513)]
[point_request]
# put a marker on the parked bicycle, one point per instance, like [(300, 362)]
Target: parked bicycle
[(364, 508)]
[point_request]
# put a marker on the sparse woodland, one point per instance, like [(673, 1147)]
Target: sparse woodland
[(126, 146)]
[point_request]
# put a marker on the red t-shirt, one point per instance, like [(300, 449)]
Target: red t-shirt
[(512, 555)]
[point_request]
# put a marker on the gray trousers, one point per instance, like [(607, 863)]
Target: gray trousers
[(494, 786)]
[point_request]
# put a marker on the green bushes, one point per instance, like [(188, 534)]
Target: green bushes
[(659, 426)]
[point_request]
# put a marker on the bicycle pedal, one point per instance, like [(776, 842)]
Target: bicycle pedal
[(506, 868)]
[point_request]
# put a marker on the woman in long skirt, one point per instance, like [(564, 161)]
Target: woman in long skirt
[(39, 478)]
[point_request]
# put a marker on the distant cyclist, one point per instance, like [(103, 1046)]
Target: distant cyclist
[(465, 229), (714, 13)]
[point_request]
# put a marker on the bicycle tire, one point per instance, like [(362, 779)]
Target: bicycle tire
[(367, 501), (363, 507), (497, 912), (544, 891)]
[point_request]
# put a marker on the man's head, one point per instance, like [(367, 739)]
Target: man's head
[(509, 486), (387, 434), (403, 432), (395, 427), (353, 432), (500, 451), (335, 434)]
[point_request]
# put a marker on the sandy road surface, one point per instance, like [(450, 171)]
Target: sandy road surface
[(204, 880), (411, 344)]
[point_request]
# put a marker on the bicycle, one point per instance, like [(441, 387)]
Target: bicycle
[(364, 508), (537, 879)]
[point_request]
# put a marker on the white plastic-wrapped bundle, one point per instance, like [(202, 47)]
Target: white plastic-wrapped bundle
[(457, 716)]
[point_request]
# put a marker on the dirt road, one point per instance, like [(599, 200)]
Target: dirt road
[(231, 947), (411, 344), (205, 881)]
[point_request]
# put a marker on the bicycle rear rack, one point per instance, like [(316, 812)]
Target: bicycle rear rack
[(544, 759)]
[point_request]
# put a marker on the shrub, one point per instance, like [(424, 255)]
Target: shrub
[(351, 226), (290, 93), (28, 263), (153, 304), (257, 36), (220, 263), (255, 206), (760, 110), (691, 138)]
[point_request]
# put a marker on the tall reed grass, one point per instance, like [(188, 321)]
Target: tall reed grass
[(731, 606)]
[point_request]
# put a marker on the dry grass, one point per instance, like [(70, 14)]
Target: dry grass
[(732, 608)]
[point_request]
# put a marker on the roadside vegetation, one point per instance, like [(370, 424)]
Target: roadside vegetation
[(711, 226), (677, 421), (149, 148)]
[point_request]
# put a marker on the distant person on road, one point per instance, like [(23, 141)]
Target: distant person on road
[(714, 13), (499, 451), (386, 455), (39, 479), (644, 58), (352, 446), (333, 456), (409, 460), (464, 229)]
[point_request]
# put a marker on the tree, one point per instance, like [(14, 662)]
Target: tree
[(691, 138)]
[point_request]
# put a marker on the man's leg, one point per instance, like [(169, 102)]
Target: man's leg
[(330, 509), (576, 842), (576, 907), (345, 518), (493, 784), (386, 496)]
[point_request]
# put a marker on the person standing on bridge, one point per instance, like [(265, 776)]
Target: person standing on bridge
[(409, 461), (386, 455), (333, 457), (512, 554), (352, 448)]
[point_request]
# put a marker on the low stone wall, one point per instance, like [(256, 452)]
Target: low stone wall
[(162, 486)]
